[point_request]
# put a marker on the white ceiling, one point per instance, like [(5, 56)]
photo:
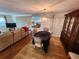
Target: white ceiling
[(37, 6)]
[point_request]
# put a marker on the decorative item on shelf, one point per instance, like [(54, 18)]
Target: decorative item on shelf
[(38, 25), (33, 24), (25, 28)]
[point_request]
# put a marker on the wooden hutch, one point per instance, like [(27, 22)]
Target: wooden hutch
[(70, 32)]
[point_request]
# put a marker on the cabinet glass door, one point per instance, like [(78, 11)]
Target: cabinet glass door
[(71, 24), (67, 23)]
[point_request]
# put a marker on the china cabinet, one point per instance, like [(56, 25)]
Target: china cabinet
[(70, 32)]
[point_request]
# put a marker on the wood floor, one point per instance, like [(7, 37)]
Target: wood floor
[(25, 50), (14, 49)]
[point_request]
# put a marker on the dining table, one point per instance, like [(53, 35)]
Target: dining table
[(45, 39)]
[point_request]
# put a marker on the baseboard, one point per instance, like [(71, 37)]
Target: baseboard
[(55, 35)]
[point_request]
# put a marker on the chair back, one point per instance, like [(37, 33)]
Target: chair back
[(38, 42)]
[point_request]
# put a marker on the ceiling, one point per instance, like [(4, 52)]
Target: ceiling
[(37, 6)]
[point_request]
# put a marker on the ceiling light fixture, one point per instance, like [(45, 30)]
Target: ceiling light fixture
[(44, 9)]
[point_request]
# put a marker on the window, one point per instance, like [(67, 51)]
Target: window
[(2, 24), (36, 19)]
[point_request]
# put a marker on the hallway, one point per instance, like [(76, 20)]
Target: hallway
[(27, 51)]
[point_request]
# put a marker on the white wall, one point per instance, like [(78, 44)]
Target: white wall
[(54, 22), (46, 21), (58, 24)]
